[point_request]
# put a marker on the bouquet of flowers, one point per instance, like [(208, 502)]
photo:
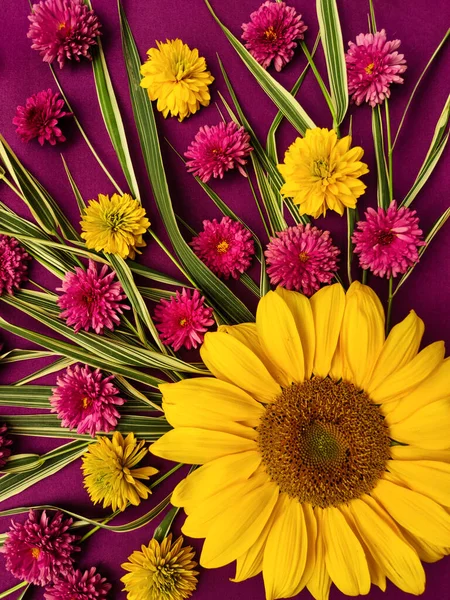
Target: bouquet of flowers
[(258, 386)]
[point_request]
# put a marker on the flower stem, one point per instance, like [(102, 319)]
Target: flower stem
[(19, 586), (389, 305), (389, 144)]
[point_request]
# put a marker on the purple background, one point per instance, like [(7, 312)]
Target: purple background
[(427, 291)]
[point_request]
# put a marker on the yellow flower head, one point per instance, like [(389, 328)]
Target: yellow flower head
[(177, 78), (323, 172), (161, 571), (109, 476), (325, 446), (114, 225)]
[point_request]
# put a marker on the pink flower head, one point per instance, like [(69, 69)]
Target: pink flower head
[(13, 264), (63, 29), (5, 452), (218, 149), (91, 300), (39, 118), (272, 32), (387, 241), (373, 64), (79, 586), (301, 258), (182, 320), (226, 247), (85, 400), (40, 550)]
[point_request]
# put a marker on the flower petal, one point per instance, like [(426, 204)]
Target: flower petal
[(415, 453), (428, 477), (311, 529), (229, 360), (427, 552), (328, 309), (428, 427), (320, 582)]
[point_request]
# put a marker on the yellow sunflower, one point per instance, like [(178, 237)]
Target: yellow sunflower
[(322, 172), (177, 78), (325, 447)]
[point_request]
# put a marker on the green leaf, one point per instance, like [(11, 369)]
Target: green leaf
[(382, 176), (76, 192), (55, 367), (163, 528), (19, 463)]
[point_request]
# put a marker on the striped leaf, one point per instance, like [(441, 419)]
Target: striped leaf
[(382, 175), (55, 367), (19, 463), (76, 192), (333, 45)]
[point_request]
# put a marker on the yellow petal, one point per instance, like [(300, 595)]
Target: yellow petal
[(413, 511), (311, 530), (427, 552), (300, 307), (428, 477), (362, 334), (411, 375), (415, 453), (344, 555), (238, 526), (396, 558), (195, 446), (328, 309), (195, 402), (320, 582), (279, 338), (286, 551), (336, 364), (428, 427), (229, 360), (401, 346)]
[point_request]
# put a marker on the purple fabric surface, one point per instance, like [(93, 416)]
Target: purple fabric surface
[(427, 291)]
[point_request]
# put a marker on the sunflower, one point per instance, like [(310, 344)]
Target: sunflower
[(322, 172), (325, 446)]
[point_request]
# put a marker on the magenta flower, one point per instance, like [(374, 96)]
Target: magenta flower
[(91, 300), (301, 258), (272, 32), (86, 401), (40, 550), (226, 247), (63, 29), (79, 586), (387, 241), (5, 452), (39, 118), (182, 320), (13, 264), (373, 64), (218, 149)]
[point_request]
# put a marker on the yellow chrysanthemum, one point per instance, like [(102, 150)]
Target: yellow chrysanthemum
[(109, 473), (322, 171), (114, 225), (161, 571), (177, 78), (301, 478)]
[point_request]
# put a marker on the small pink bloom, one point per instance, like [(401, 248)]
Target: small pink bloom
[(387, 241), (39, 118), (63, 30), (86, 401), (226, 248), (272, 33), (79, 585), (373, 64), (5, 452), (91, 300), (182, 320), (218, 149), (40, 550), (301, 258), (13, 264)]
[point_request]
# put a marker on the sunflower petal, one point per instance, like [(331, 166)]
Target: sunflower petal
[(427, 552), (320, 582), (415, 453), (311, 529), (428, 427), (428, 477)]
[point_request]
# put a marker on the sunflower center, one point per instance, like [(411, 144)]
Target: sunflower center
[(324, 442), (35, 552), (385, 238), (303, 256), (369, 68), (270, 34), (222, 247), (321, 168)]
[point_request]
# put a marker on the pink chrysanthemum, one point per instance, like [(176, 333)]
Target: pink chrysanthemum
[(13, 264), (387, 241), (272, 32), (182, 320), (373, 64), (39, 118), (91, 300), (85, 400), (218, 149), (226, 248), (5, 452), (79, 586), (63, 29), (40, 550), (301, 258)]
